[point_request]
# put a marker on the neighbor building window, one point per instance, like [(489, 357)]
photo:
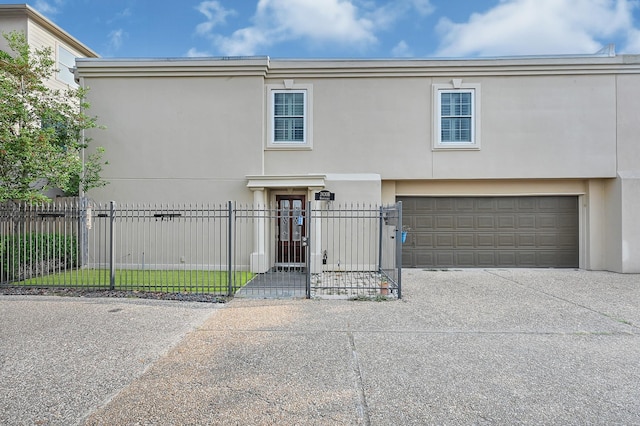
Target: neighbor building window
[(289, 108), (66, 62), (456, 122)]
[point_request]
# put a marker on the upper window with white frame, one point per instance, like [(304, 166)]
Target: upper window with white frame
[(66, 63), (289, 108), (457, 124), (289, 123)]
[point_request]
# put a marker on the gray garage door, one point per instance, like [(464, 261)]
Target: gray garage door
[(490, 232)]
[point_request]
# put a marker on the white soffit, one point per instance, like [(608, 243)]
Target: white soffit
[(286, 181)]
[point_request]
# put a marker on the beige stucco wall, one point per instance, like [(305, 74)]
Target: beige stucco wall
[(191, 131), (531, 128), (538, 127), (623, 228), (178, 139)]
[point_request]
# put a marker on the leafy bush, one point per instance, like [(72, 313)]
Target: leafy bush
[(36, 254)]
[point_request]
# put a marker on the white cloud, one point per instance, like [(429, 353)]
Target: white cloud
[(215, 13), (115, 39), (195, 53), (350, 24), (47, 8), (524, 27), (401, 50), (423, 7), (243, 42)]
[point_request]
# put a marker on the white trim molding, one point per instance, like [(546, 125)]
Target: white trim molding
[(476, 115)]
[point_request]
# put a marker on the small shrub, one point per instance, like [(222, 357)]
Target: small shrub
[(36, 254)]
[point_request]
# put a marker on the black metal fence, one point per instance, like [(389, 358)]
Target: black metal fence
[(290, 250)]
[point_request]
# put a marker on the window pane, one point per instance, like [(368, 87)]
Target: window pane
[(66, 60), (445, 133), (288, 104), (284, 220), (288, 129), (455, 130), (446, 104), (297, 225)]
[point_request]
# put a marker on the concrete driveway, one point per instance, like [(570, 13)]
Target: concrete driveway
[(462, 347)]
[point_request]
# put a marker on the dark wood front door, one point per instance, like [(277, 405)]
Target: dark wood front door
[(291, 229)]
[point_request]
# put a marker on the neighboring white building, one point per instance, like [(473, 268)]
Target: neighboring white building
[(41, 33)]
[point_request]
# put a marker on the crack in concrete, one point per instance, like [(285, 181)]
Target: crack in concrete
[(361, 405), (604, 314)]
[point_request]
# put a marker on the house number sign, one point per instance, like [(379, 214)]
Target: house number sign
[(325, 195)]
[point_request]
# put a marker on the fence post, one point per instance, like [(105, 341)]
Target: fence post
[(399, 248), (380, 248), (308, 250), (83, 231), (231, 221), (112, 245)]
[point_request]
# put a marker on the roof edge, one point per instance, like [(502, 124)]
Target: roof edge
[(50, 26)]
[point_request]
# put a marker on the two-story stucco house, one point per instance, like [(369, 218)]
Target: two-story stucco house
[(41, 33), (505, 162)]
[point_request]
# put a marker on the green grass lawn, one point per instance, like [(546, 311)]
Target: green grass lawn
[(169, 281)]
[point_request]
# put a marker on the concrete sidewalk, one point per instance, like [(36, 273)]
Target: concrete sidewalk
[(462, 347)]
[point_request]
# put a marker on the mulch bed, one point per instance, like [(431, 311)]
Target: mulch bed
[(68, 292)]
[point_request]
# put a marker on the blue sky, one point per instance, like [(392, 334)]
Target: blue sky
[(347, 28)]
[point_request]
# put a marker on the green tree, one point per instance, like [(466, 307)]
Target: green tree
[(41, 129)]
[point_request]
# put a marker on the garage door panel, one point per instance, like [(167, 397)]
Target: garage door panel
[(548, 204), (445, 204), (425, 257), (444, 222), (569, 204), (445, 257), (465, 259), (526, 240), (465, 240), (422, 205), (464, 204), (465, 222), (491, 231), (547, 258), (506, 258), (422, 222), (526, 259), (507, 222), (486, 258), (424, 240), (486, 240), (485, 204), (485, 222), (566, 259), (566, 221), (506, 204), (445, 241), (527, 204), (526, 221), (547, 240), (547, 221), (506, 240), (420, 240), (567, 242)]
